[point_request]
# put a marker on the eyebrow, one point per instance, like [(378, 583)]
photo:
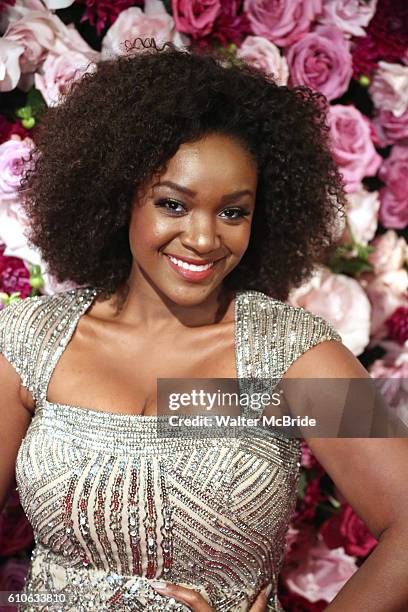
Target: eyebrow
[(190, 192)]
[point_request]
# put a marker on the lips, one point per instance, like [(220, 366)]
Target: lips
[(197, 262), (188, 273)]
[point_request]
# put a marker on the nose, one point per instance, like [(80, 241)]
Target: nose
[(201, 233)]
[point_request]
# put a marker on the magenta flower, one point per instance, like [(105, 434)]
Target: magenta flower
[(397, 325), (103, 13), (14, 276)]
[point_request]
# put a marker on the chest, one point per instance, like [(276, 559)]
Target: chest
[(122, 376)]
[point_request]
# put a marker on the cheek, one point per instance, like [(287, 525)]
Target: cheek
[(148, 232), (238, 240)]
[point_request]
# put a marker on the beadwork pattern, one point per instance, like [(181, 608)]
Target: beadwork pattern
[(115, 505)]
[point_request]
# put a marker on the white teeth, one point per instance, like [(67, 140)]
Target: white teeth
[(188, 266)]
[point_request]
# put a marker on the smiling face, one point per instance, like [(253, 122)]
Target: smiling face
[(191, 226)]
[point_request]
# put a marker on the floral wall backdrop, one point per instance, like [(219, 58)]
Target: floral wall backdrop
[(353, 51)]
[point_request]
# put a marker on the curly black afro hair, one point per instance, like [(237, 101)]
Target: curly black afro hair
[(121, 122)]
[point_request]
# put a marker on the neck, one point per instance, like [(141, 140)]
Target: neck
[(139, 302)]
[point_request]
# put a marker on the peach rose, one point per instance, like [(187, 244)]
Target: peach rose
[(10, 53), (10, 13), (40, 32), (58, 71), (390, 252), (265, 55), (350, 16), (154, 21), (389, 88), (362, 213), (386, 292), (334, 297)]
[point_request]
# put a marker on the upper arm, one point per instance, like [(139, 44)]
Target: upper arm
[(371, 473), (14, 419)]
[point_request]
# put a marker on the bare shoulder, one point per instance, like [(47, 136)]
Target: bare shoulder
[(328, 359)]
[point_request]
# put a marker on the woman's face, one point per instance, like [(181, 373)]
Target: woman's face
[(191, 226)]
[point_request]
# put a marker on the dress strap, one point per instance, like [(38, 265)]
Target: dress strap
[(34, 332)]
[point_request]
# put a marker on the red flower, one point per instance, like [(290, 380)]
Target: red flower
[(297, 603), (16, 533), (387, 37), (103, 13), (348, 530), (3, 4), (313, 496), (397, 325), (7, 129), (14, 276)]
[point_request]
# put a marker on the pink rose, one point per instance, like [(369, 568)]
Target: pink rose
[(280, 21), (350, 16), (389, 88), (133, 22), (391, 129), (322, 573), (334, 297), (353, 149), (348, 530), (10, 72), (390, 252), (322, 61), (13, 156), (196, 18), (362, 213), (265, 55), (57, 73), (386, 292), (392, 372), (394, 196)]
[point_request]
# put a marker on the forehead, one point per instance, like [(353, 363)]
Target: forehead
[(214, 160)]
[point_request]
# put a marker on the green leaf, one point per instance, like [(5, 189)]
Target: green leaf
[(24, 112), (36, 101)]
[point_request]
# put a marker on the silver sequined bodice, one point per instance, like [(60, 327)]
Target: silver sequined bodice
[(115, 505)]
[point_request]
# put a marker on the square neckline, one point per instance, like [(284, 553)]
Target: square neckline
[(87, 303)]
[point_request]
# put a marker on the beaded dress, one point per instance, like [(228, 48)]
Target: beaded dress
[(114, 505)]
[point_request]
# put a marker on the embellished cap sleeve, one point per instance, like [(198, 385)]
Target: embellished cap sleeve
[(17, 324), (274, 334), (297, 330)]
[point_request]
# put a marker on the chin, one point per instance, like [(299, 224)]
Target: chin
[(190, 296)]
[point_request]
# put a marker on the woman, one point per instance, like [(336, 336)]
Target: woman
[(184, 198)]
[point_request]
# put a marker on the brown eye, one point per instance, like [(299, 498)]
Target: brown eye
[(169, 205), (237, 212)]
